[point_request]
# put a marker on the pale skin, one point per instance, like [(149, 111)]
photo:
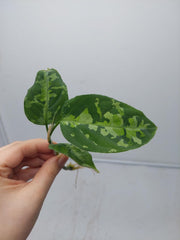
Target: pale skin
[(22, 191)]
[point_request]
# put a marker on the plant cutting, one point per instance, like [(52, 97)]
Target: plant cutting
[(90, 123)]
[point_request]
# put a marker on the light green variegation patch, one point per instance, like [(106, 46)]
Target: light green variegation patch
[(112, 150), (137, 140), (98, 108), (65, 123), (110, 131), (114, 119), (104, 132), (73, 124), (92, 127), (84, 117), (122, 144), (143, 125), (133, 122), (116, 104), (87, 135), (131, 134)]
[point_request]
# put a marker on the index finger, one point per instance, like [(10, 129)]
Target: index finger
[(13, 154)]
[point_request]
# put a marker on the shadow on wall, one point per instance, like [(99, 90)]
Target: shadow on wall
[(3, 136)]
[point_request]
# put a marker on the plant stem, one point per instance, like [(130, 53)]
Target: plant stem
[(49, 134), (53, 128), (46, 127)]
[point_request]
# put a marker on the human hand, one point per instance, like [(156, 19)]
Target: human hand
[(21, 199)]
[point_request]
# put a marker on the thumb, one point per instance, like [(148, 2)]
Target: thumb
[(47, 173)]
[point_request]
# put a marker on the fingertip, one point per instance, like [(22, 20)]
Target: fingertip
[(62, 160)]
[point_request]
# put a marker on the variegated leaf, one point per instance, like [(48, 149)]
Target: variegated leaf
[(81, 157), (44, 100), (101, 124)]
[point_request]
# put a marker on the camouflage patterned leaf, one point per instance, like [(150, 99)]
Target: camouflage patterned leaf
[(81, 157), (101, 124), (44, 100)]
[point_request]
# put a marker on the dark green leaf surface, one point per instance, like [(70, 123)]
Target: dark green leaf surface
[(44, 100), (101, 124), (81, 157)]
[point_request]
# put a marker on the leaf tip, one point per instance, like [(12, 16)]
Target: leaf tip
[(96, 170)]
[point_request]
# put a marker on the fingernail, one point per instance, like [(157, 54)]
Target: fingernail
[(62, 160)]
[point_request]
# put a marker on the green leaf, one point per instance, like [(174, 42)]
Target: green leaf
[(44, 100), (81, 157), (98, 123)]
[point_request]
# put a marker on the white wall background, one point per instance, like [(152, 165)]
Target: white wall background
[(127, 49)]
